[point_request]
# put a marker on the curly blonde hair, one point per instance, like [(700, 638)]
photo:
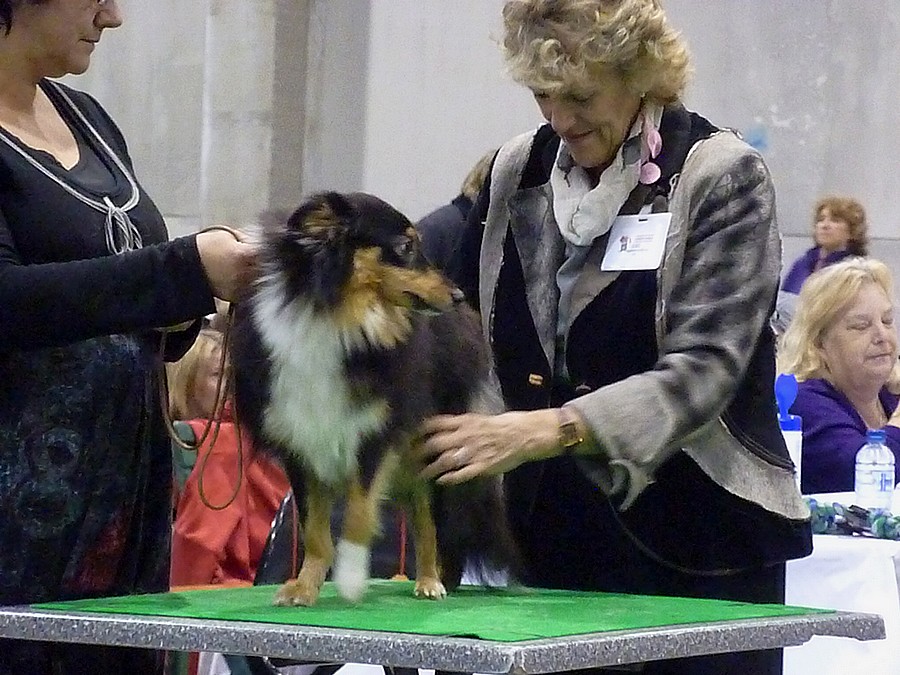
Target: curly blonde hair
[(551, 45), (851, 212), (824, 296)]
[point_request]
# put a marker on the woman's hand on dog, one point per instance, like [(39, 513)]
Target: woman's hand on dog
[(457, 448)]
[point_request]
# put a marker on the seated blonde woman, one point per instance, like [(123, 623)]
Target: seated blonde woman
[(842, 346)]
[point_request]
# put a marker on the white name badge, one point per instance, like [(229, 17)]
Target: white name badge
[(636, 242)]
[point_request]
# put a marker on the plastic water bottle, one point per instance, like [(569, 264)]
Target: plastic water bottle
[(874, 485)]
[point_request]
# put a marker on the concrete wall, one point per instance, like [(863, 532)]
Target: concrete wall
[(210, 97), (813, 85), (235, 107)]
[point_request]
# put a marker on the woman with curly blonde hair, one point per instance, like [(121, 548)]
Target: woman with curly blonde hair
[(842, 346), (625, 259), (553, 46)]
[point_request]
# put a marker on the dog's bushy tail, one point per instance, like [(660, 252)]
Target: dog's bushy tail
[(473, 534)]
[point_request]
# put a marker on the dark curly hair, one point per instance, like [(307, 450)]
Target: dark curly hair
[(8, 8)]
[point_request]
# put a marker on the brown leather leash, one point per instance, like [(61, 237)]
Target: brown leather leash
[(224, 387)]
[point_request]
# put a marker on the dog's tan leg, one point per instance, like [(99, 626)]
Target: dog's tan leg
[(428, 577), (318, 550)]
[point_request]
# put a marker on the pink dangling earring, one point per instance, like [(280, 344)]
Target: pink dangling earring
[(651, 144)]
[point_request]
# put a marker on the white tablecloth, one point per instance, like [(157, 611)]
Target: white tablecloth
[(850, 573)]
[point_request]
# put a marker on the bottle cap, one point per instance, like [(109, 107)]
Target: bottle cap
[(786, 388), (791, 422), (876, 436)]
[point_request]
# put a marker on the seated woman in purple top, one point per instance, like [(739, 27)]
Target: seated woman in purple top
[(839, 231), (842, 346)]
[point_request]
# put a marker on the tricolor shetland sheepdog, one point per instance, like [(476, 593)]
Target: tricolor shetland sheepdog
[(345, 344)]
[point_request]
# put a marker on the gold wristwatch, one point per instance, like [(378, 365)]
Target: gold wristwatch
[(568, 435)]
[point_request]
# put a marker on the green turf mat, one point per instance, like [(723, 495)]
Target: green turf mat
[(499, 614)]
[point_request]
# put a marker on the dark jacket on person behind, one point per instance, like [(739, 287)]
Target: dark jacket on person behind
[(441, 230)]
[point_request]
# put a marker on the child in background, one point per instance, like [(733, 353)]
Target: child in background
[(225, 508)]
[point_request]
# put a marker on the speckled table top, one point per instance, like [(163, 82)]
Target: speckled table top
[(458, 654)]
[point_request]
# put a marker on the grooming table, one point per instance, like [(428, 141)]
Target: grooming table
[(475, 630)]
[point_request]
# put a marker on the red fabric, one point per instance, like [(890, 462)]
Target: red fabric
[(223, 546)]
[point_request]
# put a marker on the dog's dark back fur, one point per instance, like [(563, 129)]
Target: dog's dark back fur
[(439, 367)]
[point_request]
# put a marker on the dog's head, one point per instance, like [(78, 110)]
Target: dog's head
[(357, 258)]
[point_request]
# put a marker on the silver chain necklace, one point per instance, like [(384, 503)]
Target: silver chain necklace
[(120, 233)]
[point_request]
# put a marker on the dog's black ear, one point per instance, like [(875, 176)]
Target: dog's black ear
[(316, 248), (325, 216), (342, 208)]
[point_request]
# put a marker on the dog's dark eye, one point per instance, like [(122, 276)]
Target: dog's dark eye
[(405, 248)]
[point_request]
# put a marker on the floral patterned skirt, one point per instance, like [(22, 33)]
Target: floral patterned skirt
[(85, 487)]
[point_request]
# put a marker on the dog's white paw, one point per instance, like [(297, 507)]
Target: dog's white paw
[(351, 569)]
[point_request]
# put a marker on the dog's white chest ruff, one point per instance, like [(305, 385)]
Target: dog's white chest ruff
[(310, 410)]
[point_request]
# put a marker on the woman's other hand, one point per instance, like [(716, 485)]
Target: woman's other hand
[(457, 448), (228, 261)]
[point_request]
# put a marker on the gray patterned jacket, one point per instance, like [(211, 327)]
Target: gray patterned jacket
[(715, 290)]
